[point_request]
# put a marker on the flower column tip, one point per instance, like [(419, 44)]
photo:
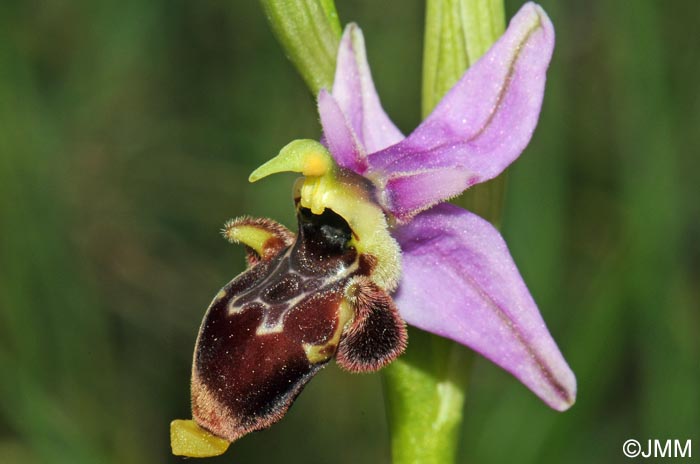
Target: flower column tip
[(307, 157)]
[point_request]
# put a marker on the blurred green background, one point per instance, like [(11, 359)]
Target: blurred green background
[(127, 132)]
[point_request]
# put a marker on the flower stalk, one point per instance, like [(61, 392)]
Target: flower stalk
[(425, 389)]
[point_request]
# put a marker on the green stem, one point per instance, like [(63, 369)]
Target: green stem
[(425, 388)]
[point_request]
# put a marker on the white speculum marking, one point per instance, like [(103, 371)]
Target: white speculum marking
[(274, 323)]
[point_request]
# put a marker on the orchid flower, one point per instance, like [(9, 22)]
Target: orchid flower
[(377, 245)]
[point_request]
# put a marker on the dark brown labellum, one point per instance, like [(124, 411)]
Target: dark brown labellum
[(274, 326)]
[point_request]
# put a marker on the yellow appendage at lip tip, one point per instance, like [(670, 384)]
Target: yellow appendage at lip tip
[(189, 439)]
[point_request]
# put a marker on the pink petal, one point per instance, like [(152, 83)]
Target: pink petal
[(354, 90), (338, 136), (412, 191), (459, 281), (482, 125)]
